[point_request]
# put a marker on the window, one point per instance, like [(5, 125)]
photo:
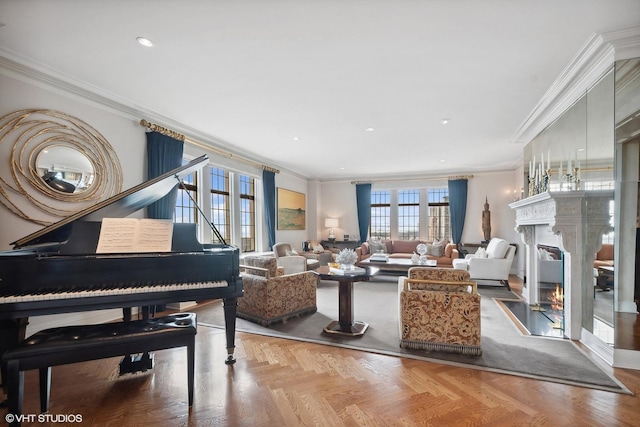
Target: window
[(220, 209), (232, 206), (247, 214), (409, 215), (380, 227), (439, 222), (416, 214), (185, 210)]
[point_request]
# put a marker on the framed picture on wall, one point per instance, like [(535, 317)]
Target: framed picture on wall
[(291, 210)]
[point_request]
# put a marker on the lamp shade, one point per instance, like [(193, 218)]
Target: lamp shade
[(331, 222)]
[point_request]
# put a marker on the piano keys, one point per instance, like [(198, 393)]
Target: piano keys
[(57, 270)]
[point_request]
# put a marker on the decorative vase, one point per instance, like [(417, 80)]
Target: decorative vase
[(347, 258), (422, 250)]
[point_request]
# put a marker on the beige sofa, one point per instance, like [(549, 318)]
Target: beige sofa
[(604, 257), (406, 248)]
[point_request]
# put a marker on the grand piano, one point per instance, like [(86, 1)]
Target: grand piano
[(57, 270)]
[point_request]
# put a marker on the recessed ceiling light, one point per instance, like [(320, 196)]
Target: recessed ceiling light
[(369, 129), (445, 121), (144, 41), (442, 160), (295, 138)]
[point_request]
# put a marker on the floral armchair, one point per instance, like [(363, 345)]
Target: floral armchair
[(272, 297), (439, 311)]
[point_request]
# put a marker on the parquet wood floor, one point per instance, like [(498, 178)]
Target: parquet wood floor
[(278, 382)]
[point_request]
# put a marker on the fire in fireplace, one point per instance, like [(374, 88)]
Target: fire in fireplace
[(550, 284)]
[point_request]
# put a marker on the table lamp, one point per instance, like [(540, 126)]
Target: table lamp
[(331, 223)]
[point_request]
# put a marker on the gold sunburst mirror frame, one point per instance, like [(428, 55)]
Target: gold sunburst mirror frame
[(57, 164)]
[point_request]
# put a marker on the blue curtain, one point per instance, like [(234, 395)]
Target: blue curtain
[(163, 154), (457, 207), (363, 202), (269, 191)]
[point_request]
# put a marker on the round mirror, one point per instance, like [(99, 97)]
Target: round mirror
[(65, 169), (58, 165)]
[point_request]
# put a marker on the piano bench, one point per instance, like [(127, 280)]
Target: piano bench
[(72, 344)]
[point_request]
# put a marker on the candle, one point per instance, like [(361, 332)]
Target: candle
[(541, 161), (569, 164), (530, 168), (548, 159), (535, 168), (560, 170)]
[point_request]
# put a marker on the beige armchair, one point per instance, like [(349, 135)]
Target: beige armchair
[(439, 311), (292, 261), (271, 297)]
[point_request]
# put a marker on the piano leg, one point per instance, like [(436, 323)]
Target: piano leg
[(12, 332), (230, 309)]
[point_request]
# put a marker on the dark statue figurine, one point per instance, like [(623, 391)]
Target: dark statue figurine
[(486, 221)]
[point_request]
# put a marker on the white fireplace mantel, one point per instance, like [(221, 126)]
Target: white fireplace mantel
[(577, 219)]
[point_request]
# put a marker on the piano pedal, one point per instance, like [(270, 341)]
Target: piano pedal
[(133, 363)]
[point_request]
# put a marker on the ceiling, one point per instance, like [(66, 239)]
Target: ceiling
[(298, 84)]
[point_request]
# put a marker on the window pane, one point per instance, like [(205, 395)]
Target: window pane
[(409, 215), (380, 227), (247, 213), (220, 209), (439, 222), (185, 210)]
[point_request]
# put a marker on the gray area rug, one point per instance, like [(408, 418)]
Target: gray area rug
[(504, 348)]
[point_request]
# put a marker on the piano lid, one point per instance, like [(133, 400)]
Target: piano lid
[(118, 206)]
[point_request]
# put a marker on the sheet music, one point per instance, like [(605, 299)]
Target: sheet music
[(126, 235)]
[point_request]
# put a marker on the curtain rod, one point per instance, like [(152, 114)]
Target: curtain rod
[(180, 137), (414, 179)]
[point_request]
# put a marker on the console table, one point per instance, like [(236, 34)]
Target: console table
[(340, 244)]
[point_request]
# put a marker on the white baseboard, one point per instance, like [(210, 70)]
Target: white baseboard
[(629, 359)]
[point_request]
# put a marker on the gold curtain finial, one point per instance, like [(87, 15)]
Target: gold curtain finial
[(162, 130)]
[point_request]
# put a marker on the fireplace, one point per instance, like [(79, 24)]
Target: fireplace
[(569, 225)]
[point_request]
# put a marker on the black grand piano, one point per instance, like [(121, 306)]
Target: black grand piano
[(57, 270)]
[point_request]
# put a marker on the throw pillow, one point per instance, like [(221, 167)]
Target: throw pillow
[(318, 249), (481, 253), (435, 250), (544, 254), (440, 242), (377, 247), (292, 252), (497, 248)]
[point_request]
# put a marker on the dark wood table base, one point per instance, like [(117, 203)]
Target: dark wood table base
[(346, 325), (355, 329)]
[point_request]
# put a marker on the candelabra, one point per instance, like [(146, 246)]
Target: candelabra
[(538, 185), (572, 180)]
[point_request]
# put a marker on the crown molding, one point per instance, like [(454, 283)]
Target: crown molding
[(20, 68), (590, 64)]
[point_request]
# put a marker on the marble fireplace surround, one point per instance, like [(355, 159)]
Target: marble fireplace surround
[(575, 222)]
